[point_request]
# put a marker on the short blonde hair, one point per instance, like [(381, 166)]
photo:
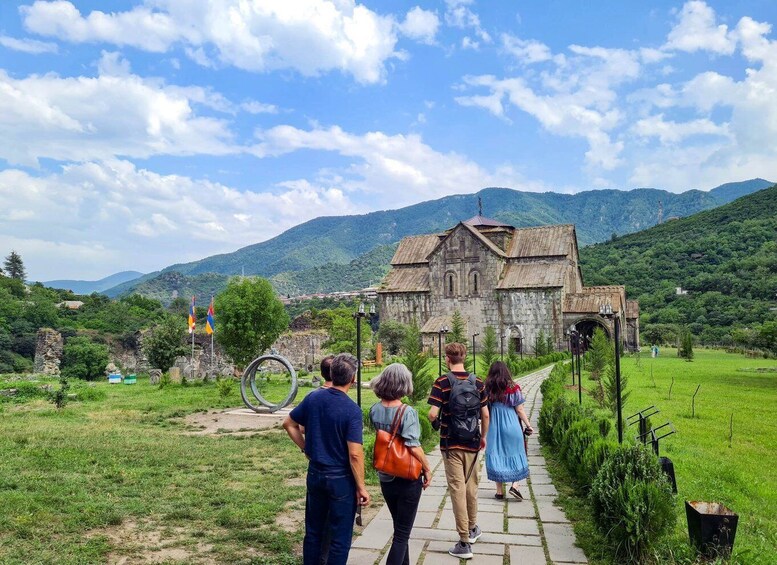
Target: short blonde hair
[(394, 382)]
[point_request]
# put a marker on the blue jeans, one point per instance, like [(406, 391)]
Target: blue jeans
[(332, 496)]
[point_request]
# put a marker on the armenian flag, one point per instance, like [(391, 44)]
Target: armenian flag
[(210, 325), (192, 317)]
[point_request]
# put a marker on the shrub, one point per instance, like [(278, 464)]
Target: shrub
[(579, 436), (632, 501), (86, 392), (224, 387), (369, 452), (428, 437), (60, 397), (83, 359), (594, 457)]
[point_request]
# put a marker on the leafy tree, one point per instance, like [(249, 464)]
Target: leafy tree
[(84, 359), (251, 317), (456, 335), (342, 332), (392, 335), (415, 359), (165, 343), (601, 353), (14, 266), (610, 389), (685, 348), (549, 345), (489, 354)]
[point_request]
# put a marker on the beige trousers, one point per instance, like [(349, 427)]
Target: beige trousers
[(464, 497)]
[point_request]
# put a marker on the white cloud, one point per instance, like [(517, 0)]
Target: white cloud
[(393, 170), (576, 97), (696, 30), (421, 25), (312, 37), (94, 218), (458, 15), (114, 113), (468, 43), (254, 107), (31, 46), (527, 51), (670, 132)]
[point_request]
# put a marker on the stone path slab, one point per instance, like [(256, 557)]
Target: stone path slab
[(529, 532)]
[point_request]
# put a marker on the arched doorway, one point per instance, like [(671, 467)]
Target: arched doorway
[(586, 328)]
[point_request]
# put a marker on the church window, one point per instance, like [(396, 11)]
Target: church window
[(474, 282), (450, 284)]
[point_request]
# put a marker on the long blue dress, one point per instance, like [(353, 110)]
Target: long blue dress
[(505, 452)]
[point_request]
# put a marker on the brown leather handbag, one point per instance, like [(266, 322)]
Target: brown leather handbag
[(391, 455)]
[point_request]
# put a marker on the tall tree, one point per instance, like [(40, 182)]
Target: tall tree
[(165, 343), (601, 353), (456, 335), (489, 354), (14, 266), (415, 359), (250, 318), (341, 327)]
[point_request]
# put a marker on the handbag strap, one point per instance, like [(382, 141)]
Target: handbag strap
[(397, 421)]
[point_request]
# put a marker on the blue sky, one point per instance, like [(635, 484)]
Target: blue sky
[(169, 130)]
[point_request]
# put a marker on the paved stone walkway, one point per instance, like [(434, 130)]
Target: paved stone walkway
[(529, 532)]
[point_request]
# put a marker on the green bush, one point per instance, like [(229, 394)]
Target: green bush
[(580, 435), (632, 502), (83, 359), (428, 436), (369, 451), (25, 391), (594, 457), (88, 392)]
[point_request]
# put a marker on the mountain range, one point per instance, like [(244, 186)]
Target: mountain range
[(88, 287), (350, 252)]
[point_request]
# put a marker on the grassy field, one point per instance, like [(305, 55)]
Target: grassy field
[(742, 475)]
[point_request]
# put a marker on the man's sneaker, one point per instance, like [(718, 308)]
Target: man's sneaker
[(461, 550), (474, 534)]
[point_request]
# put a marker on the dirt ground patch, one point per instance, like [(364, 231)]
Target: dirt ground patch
[(233, 421), (135, 543)]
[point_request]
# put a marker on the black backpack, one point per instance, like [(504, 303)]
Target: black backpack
[(464, 406)]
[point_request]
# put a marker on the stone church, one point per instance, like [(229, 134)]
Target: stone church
[(520, 281)]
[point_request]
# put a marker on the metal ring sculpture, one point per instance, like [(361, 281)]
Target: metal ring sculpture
[(249, 382)]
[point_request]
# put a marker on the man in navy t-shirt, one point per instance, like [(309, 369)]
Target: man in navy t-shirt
[(333, 444)]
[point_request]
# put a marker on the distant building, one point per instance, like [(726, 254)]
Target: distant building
[(70, 304), (520, 281)]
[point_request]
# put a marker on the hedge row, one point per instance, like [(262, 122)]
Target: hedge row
[(518, 365), (630, 496)]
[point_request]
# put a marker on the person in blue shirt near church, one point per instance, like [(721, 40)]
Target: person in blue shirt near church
[(332, 442)]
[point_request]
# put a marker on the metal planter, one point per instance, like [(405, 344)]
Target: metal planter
[(711, 527)]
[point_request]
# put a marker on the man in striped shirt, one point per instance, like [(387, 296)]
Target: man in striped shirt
[(460, 457)]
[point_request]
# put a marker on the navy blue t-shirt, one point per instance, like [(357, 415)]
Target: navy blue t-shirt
[(331, 420)]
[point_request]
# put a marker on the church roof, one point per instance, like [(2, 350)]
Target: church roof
[(406, 279), (487, 242), (478, 221), (593, 297), (533, 275), (542, 241), (415, 249)]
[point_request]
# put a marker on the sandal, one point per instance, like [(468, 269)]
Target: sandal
[(516, 493), (499, 496)]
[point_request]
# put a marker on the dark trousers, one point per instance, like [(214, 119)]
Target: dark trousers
[(402, 498), (330, 505)]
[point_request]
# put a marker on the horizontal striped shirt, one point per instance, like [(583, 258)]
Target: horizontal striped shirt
[(440, 397)]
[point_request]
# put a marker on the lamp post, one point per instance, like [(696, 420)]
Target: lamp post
[(443, 330), (502, 345), (572, 353), (474, 359), (606, 311), (576, 341), (359, 315), (520, 345)]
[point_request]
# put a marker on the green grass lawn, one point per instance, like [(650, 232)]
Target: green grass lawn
[(742, 476)]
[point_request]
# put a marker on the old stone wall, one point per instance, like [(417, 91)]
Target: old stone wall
[(403, 307), (302, 349), (48, 351), (529, 312)]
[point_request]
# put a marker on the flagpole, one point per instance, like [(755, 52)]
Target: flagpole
[(194, 317), (212, 336)]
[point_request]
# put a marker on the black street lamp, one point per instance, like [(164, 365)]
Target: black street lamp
[(443, 330), (359, 315), (605, 311), (502, 337), (572, 353), (576, 344), (474, 359)]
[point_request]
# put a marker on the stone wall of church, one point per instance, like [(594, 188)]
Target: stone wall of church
[(529, 312), (402, 307)]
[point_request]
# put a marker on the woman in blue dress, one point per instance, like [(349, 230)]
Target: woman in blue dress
[(505, 451)]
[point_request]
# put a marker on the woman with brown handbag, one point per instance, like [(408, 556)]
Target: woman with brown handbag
[(398, 448)]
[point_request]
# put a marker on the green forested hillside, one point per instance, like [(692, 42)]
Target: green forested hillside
[(340, 239), (725, 258)]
